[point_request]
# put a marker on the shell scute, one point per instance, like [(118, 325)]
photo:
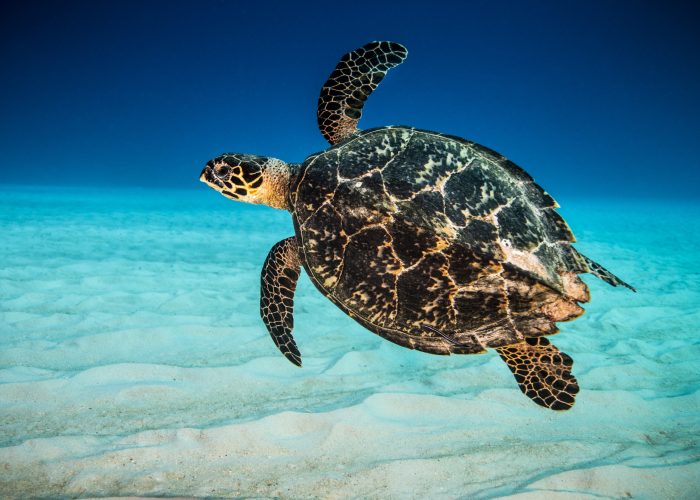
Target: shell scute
[(368, 279), (315, 189), (411, 241), (476, 191), (432, 305), (519, 224), (362, 201), (324, 245), (421, 164), (480, 236), (466, 266)]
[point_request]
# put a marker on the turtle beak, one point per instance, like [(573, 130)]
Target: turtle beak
[(209, 177), (205, 176)]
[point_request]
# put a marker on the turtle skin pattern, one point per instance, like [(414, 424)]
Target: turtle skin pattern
[(278, 281), (434, 242), (542, 372), (356, 76)]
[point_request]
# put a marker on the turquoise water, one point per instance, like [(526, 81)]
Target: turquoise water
[(133, 362)]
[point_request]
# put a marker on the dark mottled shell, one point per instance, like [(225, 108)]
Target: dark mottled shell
[(434, 242)]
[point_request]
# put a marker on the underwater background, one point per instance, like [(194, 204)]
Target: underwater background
[(133, 360)]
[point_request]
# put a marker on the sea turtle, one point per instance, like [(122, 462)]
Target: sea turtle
[(431, 241)]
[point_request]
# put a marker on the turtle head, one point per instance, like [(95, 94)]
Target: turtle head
[(249, 178)]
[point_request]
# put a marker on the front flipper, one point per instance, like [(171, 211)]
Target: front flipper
[(542, 372), (277, 284), (355, 77)]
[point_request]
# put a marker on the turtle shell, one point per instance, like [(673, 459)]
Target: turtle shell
[(434, 242)]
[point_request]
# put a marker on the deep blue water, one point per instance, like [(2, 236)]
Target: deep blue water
[(593, 98)]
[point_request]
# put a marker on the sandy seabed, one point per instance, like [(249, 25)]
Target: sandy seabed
[(133, 363)]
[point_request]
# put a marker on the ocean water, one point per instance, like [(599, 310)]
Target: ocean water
[(133, 362)]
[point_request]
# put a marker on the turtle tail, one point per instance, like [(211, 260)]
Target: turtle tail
[(583, 264)]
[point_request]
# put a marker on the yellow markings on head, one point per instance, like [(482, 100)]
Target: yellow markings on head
[(243, 186)]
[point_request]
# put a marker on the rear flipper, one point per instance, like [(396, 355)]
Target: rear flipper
[(542, 372), (589, 266)]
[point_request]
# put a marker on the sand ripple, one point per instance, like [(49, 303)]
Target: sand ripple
[(133, 362)]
